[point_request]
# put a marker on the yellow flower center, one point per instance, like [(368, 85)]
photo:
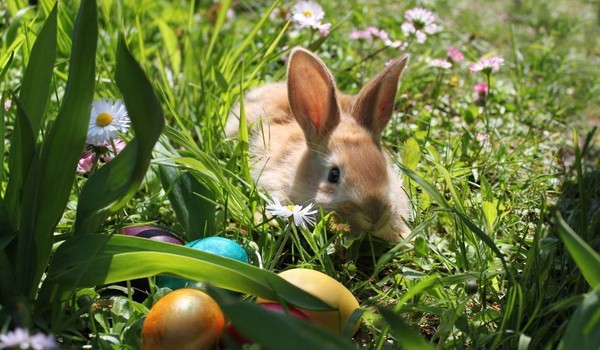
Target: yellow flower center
[(454, 80), (290, 207), (103, 119), (307, 13)]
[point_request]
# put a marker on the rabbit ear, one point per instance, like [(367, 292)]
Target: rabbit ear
[(375, 102), (312, 95)]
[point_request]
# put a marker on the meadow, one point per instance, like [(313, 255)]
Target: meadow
[(494, 130)]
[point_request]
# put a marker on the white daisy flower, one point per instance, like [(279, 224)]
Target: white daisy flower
[(106, 119), (487, 65), (419, 22), (302, 216), (308, 14)]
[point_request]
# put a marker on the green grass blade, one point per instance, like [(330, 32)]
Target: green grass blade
[(439, 198), (33, 98), (583, 330), (406, 336), (49, 186), (585, 257), (97, 259), (115, 183), (273, 330), (192, 201), (217, 27), (429, 188)]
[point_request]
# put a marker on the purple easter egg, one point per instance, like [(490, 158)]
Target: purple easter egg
[(153, 233)]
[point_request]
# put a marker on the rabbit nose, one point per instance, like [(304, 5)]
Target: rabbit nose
[(377, 211)]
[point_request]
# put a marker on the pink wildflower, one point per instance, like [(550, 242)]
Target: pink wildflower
[(440, 63), (22, 339), (372, 32), (324, 28), (420, 22), (86, 163), (369, 33), (487, 65), (7, 105), (396, 44), (455, 55), (481, 89), (119, 145), (481, 137)]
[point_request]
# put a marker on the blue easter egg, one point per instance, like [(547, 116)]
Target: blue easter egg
[(215, 245), (220, 246)]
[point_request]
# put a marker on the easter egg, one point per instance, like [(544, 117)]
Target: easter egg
[(153, 233), (140, 286), (220, 246), (215, 245), (183, 319), (328, 290)]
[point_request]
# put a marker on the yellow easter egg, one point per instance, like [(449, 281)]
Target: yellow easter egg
[(328, 290)]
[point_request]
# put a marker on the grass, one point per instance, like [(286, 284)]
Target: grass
[(490, 262)]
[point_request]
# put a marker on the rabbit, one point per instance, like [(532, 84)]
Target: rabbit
[(313, 144)]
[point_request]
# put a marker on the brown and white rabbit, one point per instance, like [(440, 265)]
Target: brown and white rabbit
[(313, 144)]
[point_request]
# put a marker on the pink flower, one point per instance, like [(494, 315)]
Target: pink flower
[(455, 55), (420, 22), (110, 153), (369, 33), (481, 137), (396, 44), (324, 28), (481, 89), (86, 163), (7, 105), (440, 63), (372, 32), (487, 65), (22, 339)]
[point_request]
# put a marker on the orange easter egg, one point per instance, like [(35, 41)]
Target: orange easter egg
[(183, 319)]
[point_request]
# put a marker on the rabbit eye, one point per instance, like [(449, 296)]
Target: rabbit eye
[(334, 175)]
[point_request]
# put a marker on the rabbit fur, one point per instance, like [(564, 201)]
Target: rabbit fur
[(312, 144)]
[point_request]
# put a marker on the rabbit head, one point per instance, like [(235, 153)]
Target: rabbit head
[(340, 163)]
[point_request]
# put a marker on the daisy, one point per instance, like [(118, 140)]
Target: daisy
[(440, 63), (310, 14), (420, 22), (487, 65), (301, 216), (106, 119)]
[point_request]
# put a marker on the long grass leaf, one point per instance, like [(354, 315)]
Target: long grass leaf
[(97, 259), (50, 185), (406, 336), (192, 201), (115, 183), (583, 329), (585, 257), (272, 330), (33, 98)]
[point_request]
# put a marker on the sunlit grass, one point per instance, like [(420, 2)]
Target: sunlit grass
[(487, 172)]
